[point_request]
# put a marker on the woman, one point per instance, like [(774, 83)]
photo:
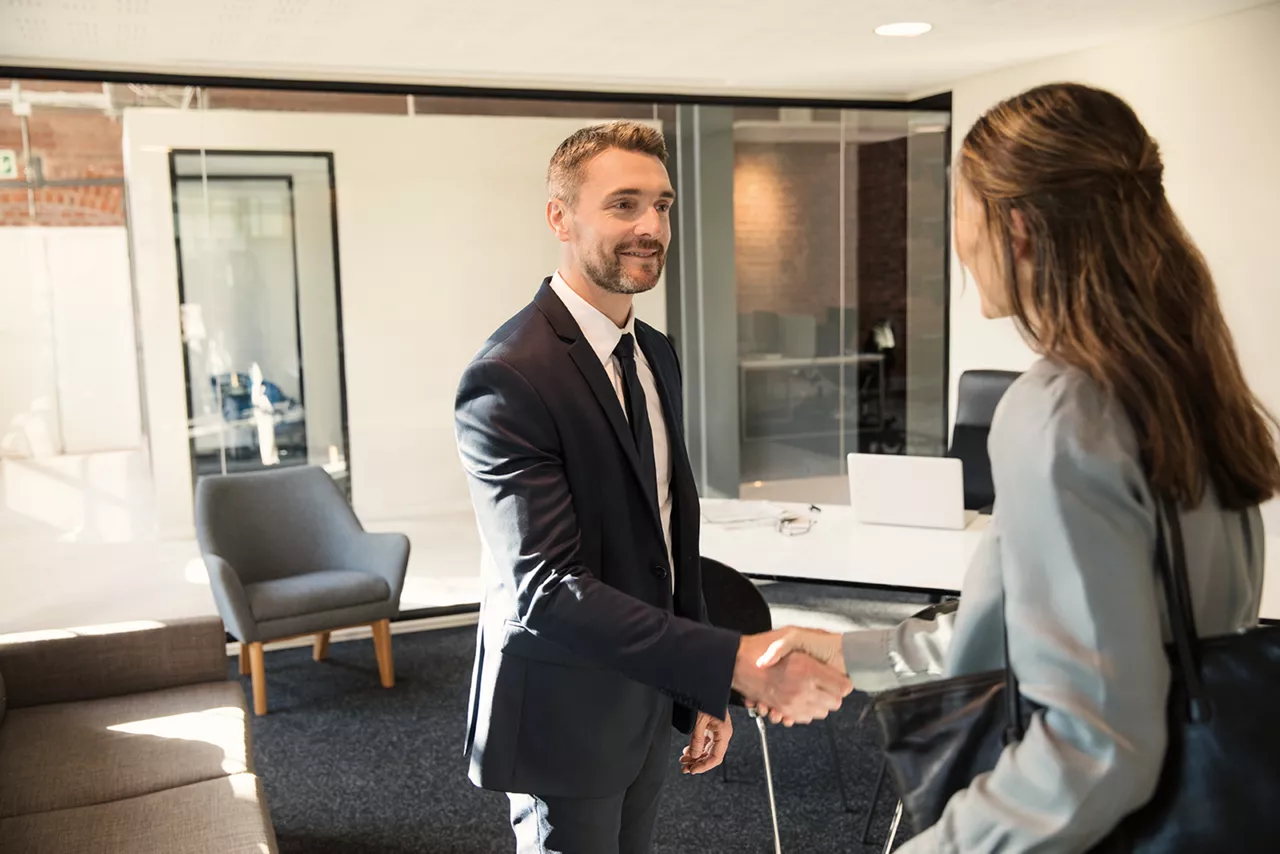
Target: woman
[(1062, 221)]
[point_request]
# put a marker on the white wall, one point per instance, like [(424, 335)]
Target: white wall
[(1210, 95), (441, 237), (30, 423), (67, 339)]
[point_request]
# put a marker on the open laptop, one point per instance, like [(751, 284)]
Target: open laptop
[(917, 492)]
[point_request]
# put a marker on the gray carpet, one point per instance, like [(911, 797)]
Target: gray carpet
[(351, 767)]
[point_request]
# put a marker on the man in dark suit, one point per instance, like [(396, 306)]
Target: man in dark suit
[(593, 638)]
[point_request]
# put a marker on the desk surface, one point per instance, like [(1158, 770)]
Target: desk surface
[(838, 549)]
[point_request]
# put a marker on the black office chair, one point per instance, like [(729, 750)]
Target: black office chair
[(978, 395), (733, 602)]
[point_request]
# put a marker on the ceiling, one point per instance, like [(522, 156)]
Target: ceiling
[(800, 48)]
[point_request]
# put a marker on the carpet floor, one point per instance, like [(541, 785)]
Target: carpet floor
[(352, 768)]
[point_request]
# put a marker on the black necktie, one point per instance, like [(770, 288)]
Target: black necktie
[(637, 413)]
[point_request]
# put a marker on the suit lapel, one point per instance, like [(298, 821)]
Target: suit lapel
[(593, 372)]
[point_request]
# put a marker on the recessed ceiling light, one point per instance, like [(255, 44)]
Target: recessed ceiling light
[(906, 29)]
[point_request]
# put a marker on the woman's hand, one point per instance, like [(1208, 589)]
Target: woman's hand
[(826, 647)]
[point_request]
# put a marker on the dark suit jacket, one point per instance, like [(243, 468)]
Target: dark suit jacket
[(579, 631)]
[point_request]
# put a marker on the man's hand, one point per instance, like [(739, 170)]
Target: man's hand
[(799, 688), (707, 745), (827, 647)]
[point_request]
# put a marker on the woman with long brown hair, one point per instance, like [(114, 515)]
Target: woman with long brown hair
[(1062, 221)]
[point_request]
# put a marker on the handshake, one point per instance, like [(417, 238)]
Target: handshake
[(792, 675)]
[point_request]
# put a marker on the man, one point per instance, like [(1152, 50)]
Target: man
[(592, 636)]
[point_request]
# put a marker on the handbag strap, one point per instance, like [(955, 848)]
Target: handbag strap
[(1171, 562), (1171, 558)]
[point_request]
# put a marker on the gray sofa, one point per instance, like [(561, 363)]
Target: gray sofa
[(129, 741)]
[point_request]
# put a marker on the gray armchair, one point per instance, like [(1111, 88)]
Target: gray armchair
[(287, 557)]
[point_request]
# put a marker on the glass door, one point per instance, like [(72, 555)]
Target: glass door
[(260, 311)]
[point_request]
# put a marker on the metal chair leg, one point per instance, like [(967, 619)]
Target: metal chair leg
[(768, 779), (893, 829), (835, 761), (875, 799)]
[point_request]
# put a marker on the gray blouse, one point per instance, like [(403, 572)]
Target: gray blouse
[(1071, 546)]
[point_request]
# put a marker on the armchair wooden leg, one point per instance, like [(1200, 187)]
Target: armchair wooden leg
[(259, 667), (382, 646), (244, 659), (321, 651)]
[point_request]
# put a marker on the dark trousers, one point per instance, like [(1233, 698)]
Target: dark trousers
[(619, 824)]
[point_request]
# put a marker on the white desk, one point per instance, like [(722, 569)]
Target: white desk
[(839, 550)]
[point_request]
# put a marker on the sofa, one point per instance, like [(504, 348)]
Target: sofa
[(127, 739)]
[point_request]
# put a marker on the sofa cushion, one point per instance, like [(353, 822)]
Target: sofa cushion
[(314, 593), (67, 755), (228, 815)]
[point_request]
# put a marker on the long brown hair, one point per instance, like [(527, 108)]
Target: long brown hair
[(1119, 290)]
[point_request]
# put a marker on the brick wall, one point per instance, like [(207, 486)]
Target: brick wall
[(786, 227), (882, 241), (787, 231), (398, 105), (84, 144), (71, 144)]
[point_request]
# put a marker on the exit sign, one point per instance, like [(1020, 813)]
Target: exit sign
[(8, 164)]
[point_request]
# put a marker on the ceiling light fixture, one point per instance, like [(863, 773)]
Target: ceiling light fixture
[(907, 29)]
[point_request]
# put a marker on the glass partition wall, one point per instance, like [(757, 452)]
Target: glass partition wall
[(209, 280), (828, 337)]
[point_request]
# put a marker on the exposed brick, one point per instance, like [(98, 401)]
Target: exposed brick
[(306, 102), (882, 241), (787, 229), (71, 144), (786, 219)]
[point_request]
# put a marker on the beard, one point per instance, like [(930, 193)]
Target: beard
[(607, 272)]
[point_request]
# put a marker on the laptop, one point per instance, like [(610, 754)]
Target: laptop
[(916, 492)]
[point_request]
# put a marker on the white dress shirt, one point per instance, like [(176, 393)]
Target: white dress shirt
[(603, 336)]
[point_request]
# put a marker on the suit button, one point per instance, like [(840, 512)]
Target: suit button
[(660, 571)]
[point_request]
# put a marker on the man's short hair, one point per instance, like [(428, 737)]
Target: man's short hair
[(569, 163)]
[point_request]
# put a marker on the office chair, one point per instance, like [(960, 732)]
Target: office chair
[(978, 395), (733, 602), (287, 557)]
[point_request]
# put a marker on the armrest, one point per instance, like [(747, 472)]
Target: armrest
[(229, 596), (64, 667), (386, 555)]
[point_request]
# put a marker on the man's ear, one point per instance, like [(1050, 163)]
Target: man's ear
[(558, 219), (1020, 236)]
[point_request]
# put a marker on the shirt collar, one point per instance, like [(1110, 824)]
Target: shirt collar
[(601, 332)]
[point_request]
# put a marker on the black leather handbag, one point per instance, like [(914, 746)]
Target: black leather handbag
[(1219, 788)]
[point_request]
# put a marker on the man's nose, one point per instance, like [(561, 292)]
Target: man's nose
[(649, 225)]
